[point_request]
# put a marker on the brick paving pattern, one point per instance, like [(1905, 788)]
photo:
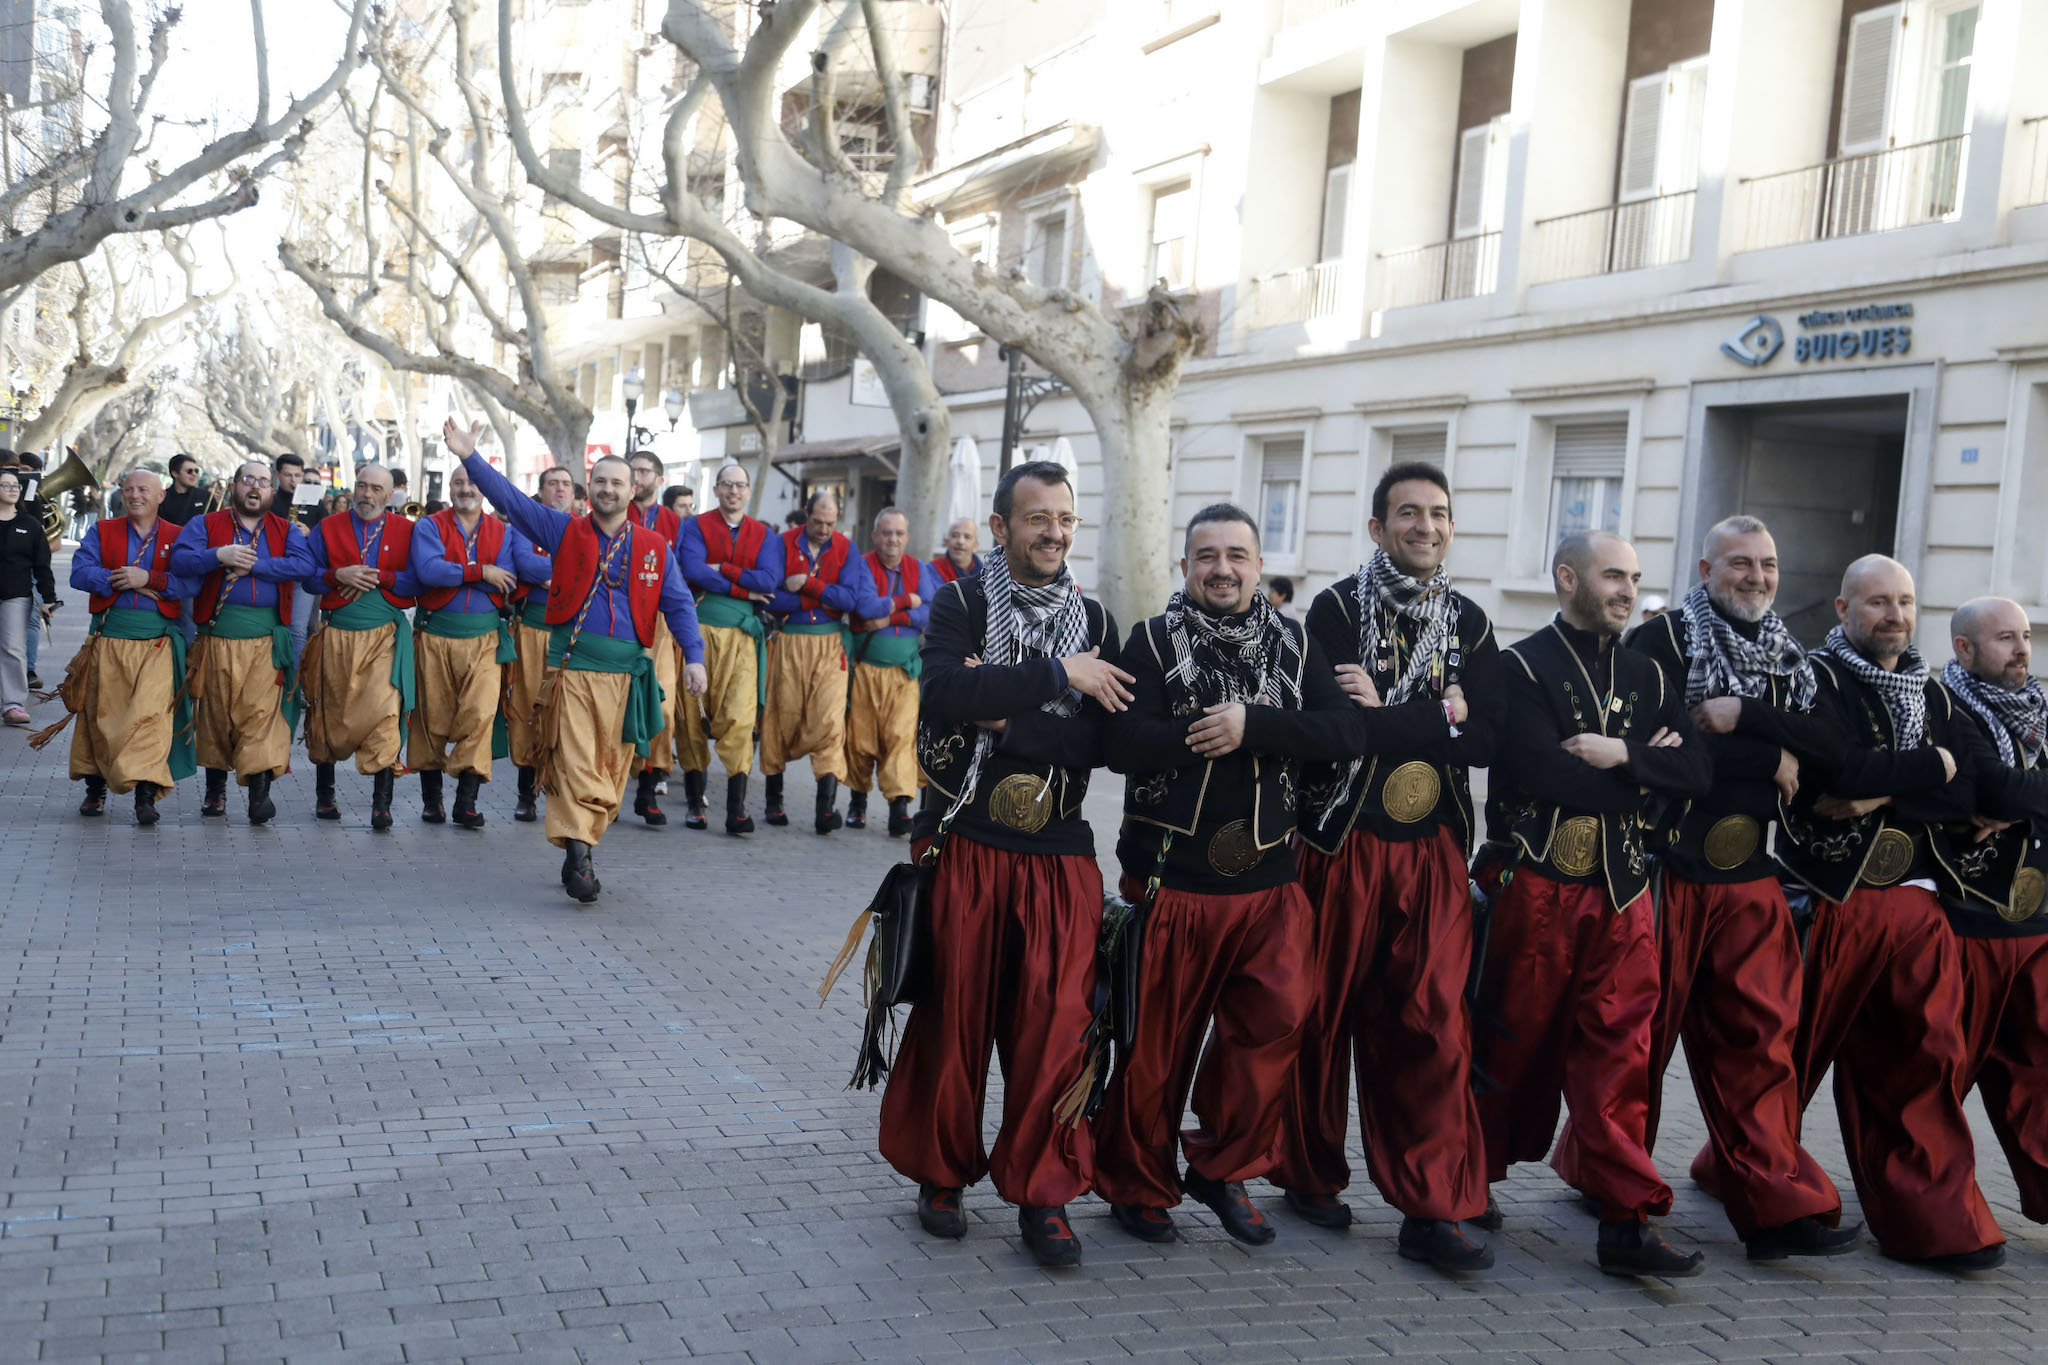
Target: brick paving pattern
[(311, 1093)]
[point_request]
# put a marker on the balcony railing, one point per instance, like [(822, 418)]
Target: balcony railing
[(1460, 269), (1875, 192), (1301, 11), (2035, 186), (1297, 296), (1631, 236)]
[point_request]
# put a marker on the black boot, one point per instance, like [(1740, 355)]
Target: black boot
[(828, 804), (95, 801), (696, 808), (431, 809), (856, 810), (1631, 1246), (644, 803), (525, 811), (1803, 1237), (261, 808), (216, 802), (1240, 1217), (145, 803), (380, 798), (466, 814), (324, 805), (772, 785), (737, 821), (1048, 1235), (899, 816), (579, 876), (1442, 1243)]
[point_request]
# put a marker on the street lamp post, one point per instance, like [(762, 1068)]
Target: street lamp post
[(673, 404), (633, 386)]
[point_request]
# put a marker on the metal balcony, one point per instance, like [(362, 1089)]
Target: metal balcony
[(1297, 296), (1875, 192), (1463, 268), (1630, 236)]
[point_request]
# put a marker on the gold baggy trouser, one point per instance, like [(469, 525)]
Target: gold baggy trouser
[(806, 705), (455, 704), (730, 701), (236, 722), (587, 773), (661, 749), (882, 732), (357, 709), (124, 736), (520, 731)]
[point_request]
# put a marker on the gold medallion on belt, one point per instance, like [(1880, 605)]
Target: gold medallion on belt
[(1732, 842), (1021, 802), (1575, 848), (1889, 858), (1410, 792), (1234, 852), (2027, 890)]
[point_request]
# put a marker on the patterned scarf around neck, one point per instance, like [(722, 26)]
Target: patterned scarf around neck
[(1904, 689), (1217, 659), (2018, 720), (1726, 663), (1381, 589)]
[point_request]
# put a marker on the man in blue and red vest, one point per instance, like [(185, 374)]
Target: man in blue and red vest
[(461, 571), (611, 580), (881, 732), (962, 558), (242, 678), (534, 567), (358, 668), (648, 512), (806, 714), (135, 733), (733, 563)]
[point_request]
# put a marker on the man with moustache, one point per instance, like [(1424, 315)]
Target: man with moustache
[(1383, 847), (806, 714), (732, 562), (881, 727), (1597, 750), (462, 571), (1995, 875), (962, 558), (359, 673), (241, 676), (649, 512), (135, 732), (1015, 690), (1886, 756), (533, 566), (610, 579), (1729, 955), (286, 472), (1228, 697)]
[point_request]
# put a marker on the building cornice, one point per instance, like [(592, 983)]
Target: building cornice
[(1428, 402), (1599, 388)]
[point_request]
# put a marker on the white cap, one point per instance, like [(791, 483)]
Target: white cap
[(1654, 602)]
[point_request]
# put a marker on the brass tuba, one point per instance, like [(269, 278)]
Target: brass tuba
[(73, 473)]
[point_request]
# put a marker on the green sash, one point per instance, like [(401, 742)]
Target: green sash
[(235, 622), (608, 654), (891, 651), (374, 609), (129, 623), (474, 625), (737, 613), (535, 612)]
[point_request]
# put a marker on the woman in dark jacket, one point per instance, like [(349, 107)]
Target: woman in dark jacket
[(24, 571)]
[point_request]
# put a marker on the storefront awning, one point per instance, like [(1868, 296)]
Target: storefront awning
[(879, 448)]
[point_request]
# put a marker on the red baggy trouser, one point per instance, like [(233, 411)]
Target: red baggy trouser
[(1392, 951), (2005, 1043), (1564, 1012), (1013, 969), (1730, 969), (1883, 1003), (1243, 961)]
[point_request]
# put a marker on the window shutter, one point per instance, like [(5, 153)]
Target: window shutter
[(1280, 460), (1590, 450), (1641, 133), (1867, 80), (1336, 204), (1690, 86), (1426, 445), (1468, 215)]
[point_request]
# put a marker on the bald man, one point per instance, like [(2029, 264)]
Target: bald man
[(1599, 757), (1728, 952), (1995, 873), (881, 727), (960, 560), (135, 731), (534, 566), (359, 677), (1885, 757)]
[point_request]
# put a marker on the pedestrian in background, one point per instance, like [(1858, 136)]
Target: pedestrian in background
[(24, 573)]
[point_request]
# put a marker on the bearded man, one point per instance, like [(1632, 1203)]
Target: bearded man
[(962, 558), (1598, 747), (1228, 697), (649, 512), (134, 731), (359, 674), (533, 566), (241, 677), (881, 729)]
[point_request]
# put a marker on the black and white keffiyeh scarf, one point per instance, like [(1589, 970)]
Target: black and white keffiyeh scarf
[(1725, 663), (1026, 621), (2018, 720), (1904, 689), (1386, 596), (1218, 659)]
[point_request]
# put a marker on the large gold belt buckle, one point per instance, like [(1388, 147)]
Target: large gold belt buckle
[(1731, 842), (1890, 856), (1410, 792), (1575, 848), (2027, 890), (1022, 802), (1233, 851)]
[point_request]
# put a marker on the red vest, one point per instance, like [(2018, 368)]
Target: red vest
[(576, 575), (829, 564), (490, 538), (667, 524), (113, 533), (220, 530), (943, 567), (394, 552), (723, 545), (906, 570)]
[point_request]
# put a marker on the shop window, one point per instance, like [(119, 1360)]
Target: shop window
[(1280, 486)]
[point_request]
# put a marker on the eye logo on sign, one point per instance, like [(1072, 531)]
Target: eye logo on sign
[(1760, 339)]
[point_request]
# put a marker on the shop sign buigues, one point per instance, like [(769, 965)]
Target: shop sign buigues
[(1863, 332)]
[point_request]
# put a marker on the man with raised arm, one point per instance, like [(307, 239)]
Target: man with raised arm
[(534, 567)]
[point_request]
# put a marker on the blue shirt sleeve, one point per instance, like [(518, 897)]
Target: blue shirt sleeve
[(868, 604), (541, 524), (927, 588), (846, 592), (430, 564), (767, 574), (87, 573), (190, 557), (679, 605), (295, 564), (690, 559), (529, 564)]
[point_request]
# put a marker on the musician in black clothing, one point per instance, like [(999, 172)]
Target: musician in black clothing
[(186, 501)]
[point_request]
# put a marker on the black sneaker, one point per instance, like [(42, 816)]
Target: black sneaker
[(35, 680), (1803, 1237), (1324, 1210), (1633, 1247), (1048, 1235), (938, 1210), (1144, 1222), (1983, 1258), (1443, 1244), (1240, 1216), (1491, 1220)]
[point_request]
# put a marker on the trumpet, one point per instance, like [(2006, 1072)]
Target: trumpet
[(412, 511), (217, 495)]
